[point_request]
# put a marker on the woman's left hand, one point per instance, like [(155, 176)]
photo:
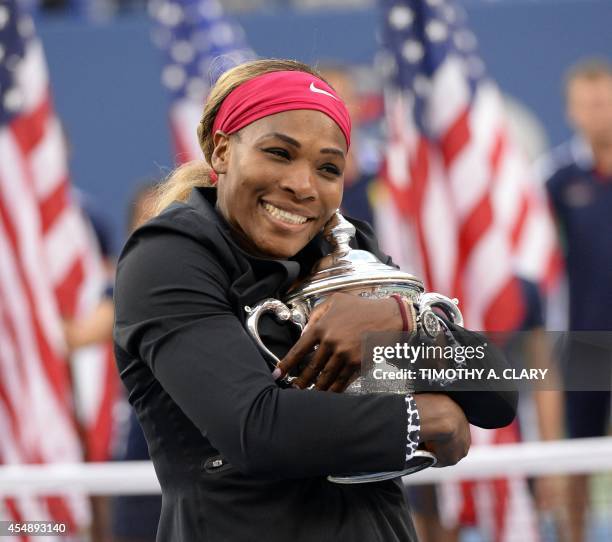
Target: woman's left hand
[(335, 329)]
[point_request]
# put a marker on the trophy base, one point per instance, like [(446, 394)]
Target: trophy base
[(419, 461)]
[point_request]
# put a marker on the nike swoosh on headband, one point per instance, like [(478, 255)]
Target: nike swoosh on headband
[(313, 88)]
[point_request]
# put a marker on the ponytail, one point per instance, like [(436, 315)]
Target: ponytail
[(179, 184)]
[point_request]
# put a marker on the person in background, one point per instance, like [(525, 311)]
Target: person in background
[(97, 326), (134, 518), (94, 327), (580, 190)]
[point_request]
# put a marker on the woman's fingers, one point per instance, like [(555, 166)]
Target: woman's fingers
[(310, 372), (339, 323), (304, 345), (332, 370)]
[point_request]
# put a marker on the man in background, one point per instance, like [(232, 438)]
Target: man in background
[(580, 189)]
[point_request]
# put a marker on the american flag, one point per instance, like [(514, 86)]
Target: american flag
[(200, 43), (458, 181), (48, 272), (464, 210)]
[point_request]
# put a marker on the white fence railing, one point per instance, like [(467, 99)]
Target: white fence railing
[(138, 477)]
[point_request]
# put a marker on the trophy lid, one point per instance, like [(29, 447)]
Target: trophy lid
[(344, 268)]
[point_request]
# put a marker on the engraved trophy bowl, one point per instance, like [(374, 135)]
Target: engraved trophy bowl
[(360, 273)]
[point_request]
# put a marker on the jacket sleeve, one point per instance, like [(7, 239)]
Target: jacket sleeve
[(172, 313), (487, 406)]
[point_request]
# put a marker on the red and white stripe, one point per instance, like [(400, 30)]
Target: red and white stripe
[(467, 193), (49, 272)]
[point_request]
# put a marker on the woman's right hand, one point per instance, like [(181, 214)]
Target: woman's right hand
[(336, 329), (445, 430)]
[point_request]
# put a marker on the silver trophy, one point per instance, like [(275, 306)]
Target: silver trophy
[(356, 272)]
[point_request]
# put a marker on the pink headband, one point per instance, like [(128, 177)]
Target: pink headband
[(275, 92)]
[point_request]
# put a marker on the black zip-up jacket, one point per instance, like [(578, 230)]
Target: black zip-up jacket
[(239, 458)]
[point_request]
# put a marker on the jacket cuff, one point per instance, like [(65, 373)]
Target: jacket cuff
[(414, 426)]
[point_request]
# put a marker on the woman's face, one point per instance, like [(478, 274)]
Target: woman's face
[(280, 180)]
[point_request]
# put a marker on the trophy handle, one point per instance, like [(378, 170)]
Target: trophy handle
[(449, 306), (282, 313)]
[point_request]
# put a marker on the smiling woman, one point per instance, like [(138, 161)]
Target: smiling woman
[(239, 455)]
